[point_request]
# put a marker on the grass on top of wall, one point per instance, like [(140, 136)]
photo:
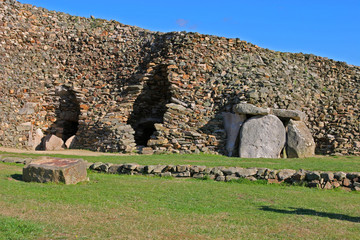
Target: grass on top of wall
[(140, 207)]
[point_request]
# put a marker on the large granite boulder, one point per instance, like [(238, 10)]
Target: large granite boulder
[(262, 137), (300, 142), (53, 142), (58, 170), (232, 124)]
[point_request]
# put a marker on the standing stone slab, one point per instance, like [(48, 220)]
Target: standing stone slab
[(58, 170), (300, 143), (38, 140), (262, 137), (232, 124)]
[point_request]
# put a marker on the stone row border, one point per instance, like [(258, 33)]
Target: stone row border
[(317, 179)]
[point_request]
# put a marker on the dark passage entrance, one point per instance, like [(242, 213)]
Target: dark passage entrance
[(150, 106), (67, 113), (144, 131)]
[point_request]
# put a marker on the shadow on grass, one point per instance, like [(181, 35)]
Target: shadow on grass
[(17, 177), (310, 212)]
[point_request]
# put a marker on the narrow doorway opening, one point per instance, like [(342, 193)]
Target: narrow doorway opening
[(68, 112), (150, 106)]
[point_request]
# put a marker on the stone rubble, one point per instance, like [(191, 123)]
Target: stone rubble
[(96, 79), (323, 180)]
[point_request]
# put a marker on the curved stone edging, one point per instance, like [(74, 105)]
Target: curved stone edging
[(318, 179)]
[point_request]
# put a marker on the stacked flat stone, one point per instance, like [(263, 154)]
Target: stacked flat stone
[(319, 179), (114, 69)]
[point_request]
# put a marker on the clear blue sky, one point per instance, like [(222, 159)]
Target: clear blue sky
[(329, 28)]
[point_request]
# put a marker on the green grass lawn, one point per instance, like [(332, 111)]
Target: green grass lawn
[(140, 207), (321, 163)]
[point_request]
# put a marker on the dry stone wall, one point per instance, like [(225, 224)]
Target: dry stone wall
[(126, 86), (315, 179)]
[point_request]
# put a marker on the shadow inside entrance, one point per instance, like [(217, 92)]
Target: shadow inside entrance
[(150, 105)]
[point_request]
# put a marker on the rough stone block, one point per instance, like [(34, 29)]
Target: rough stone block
[(231, 177), (165, 174), (352, 175), (327, 185), (289, 114), (38, 140), (300, 142), (220, 178), (246, 172), (232, 124), (52, 142), (340, 175), (159, 168), (115, 169), (230, 170), (198, 175), (246, 108), (357, 186), (285, 174), (327, 176), (58, 170), (24, 127), (299, 175), (262, 137), (181, 168), (147, 151), (310, 176), (70, 142)]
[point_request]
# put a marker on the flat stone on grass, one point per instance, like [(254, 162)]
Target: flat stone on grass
[(58, 170)]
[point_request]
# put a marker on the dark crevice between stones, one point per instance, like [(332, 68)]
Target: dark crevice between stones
[(144, 130), (150, 105), (67, 114)]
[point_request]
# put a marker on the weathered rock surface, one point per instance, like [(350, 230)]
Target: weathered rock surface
[(246, 108), (324, 180), (300, 142), (285, 174), (37, 143), (313, 175), (117, 67), (357, 186), (246, 172), (70, 142), (289, 114), (58, 170), (52, 142), (232, 124), (262, 137)]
